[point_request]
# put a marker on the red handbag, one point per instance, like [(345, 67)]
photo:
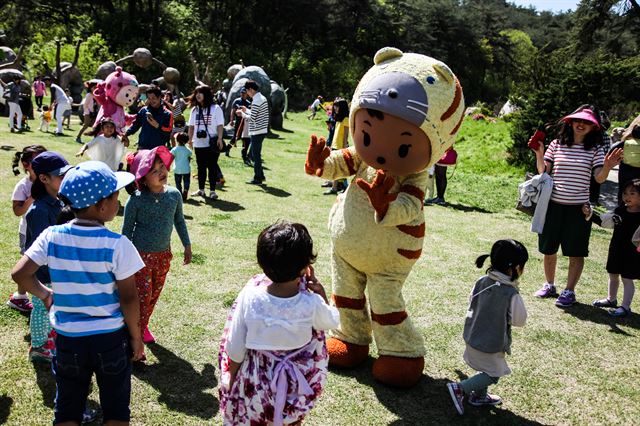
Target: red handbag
[(450, 158)]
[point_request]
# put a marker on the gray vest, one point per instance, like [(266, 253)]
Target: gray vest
[(486, 327)]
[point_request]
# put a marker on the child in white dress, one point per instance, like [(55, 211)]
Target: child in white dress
[(273, 357), (106, 147)]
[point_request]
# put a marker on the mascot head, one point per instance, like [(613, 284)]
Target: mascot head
[(121, 87), (405, 112)]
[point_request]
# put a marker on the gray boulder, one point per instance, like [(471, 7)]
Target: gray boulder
[(254, 73), (105, 69), (278, 104), (7, 55)]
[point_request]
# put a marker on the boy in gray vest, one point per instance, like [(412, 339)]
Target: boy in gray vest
[(494, 306)]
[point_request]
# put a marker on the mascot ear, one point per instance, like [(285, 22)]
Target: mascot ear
[(118, 71), (444, 71), (385, 54)]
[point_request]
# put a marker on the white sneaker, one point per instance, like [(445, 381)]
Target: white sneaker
[(198, 193), (213, 195)]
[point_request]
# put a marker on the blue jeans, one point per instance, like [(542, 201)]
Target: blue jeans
[(186, 178), (77, 358), (256, 156)]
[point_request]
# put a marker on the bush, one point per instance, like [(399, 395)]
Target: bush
[(561, 86)]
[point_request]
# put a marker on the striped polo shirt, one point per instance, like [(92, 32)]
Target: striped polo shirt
[(84, 263), (572, 167), (259, 115)]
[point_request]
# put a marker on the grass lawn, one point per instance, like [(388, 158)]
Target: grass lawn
[(573, 366)]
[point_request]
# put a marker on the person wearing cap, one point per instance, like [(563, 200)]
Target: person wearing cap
[(571, 160), (240, 129), (49, 168), (93, 301), (149, 217)]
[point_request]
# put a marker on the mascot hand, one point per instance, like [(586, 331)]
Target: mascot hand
[(317, 153), (100, 93), (378, 191)]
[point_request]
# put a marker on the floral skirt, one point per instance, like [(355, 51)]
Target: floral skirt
[(272, 387)]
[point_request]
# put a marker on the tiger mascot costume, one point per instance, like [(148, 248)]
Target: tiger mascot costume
[(404, 115)]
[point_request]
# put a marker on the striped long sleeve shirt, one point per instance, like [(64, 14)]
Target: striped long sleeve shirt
[(258, 116)]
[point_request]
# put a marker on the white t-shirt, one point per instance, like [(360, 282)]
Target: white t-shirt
[(60, 97), (88, 104), (207, 119), (21, 192), (265, 322)]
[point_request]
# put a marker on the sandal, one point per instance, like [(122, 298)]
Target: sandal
[(605, 303), (621, 312)]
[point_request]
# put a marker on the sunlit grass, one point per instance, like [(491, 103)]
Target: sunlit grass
[(570, 367)]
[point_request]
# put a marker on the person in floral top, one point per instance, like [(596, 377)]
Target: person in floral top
[(273, 358)]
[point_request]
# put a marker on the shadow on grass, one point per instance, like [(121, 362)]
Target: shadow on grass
[(429, 403), (46, 382), (5, 408), (224, 205), (272, 135), (464, 208), (591, 313), (181, 387), (276, 192)]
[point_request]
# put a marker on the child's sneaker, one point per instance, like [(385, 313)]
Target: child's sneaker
[(488, 399), (19, 304), (147, 336), (547, 290), (457, 396), (605, 303), (40, 354), (566, 299), (621, 312), (213, 195)]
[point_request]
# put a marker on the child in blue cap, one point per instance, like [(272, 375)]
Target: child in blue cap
[(93, 301)]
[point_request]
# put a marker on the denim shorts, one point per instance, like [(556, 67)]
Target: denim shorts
[(77, 359)]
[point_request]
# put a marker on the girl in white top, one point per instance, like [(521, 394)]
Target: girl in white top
[(21, 200), (107, 147), (273, 357)]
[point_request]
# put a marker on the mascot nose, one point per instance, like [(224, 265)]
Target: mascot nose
[(381, 160)]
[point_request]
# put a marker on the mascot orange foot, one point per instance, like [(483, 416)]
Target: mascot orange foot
[(345, 354), (398, 372)]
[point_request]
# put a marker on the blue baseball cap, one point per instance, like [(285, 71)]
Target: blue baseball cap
[(91, 181), (51, 163)]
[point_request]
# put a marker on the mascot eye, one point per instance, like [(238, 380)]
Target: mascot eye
[(431, 80), (367, 138), (403, 151)]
